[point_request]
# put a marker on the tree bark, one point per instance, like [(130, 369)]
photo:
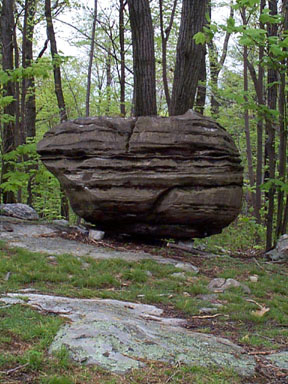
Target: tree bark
[(283, 128), (189, 57), (246, 117), (28, 102), (108, 83), (143, 58), (216, 64), (270, 132), (201, 90), (58, 87), (55, 59), (164, 40), (8, 128), (91, 55), (261, 102), (122, 59)]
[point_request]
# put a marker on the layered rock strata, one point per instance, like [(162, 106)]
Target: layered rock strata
[(177, 177)]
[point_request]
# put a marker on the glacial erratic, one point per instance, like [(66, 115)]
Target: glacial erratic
[(178, 177)]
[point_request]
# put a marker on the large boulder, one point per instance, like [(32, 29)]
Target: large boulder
[(177, 177)]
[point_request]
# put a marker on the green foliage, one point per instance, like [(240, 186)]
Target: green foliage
[(245, 232), (27, 170)]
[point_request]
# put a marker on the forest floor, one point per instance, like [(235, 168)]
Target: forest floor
[(257, 321)]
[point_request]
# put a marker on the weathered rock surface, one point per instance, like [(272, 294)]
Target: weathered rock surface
[(280, 359), (21, 211), (35, 238), (119, 336), (221, 285), (280, 252), (175, 177)]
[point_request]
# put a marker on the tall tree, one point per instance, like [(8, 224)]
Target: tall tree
[(55, 59), (58, 85), (246, 113), (189, 56), (143, 58), (201, 90), (28, 104), (258, 82), (8, 127), (216, 62), (272, 79), (122, 58), (283, 126), (165, 33), (91, 55)]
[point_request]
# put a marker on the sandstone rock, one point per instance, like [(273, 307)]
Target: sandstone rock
[(21, 211), (176, 177)]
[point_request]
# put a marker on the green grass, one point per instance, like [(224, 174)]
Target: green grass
[(25, 334)]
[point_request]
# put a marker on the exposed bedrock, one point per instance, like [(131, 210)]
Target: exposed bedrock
[(175, 177)]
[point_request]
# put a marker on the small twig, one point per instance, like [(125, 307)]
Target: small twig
[(172, 376), (261, 353), (255, 302), (208, 316), (257, 262), (16, 369)]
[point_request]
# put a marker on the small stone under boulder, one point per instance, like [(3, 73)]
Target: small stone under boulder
[(175, 177)]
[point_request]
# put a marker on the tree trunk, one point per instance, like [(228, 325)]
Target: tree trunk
[(214, 74), (19, 137), (58, 88), (246, 117), (216, 64), (122, 59), (164, 40), (28, 102), (8, 130), (143, 58), (108, 83), (283, 128), (189, 57), (270, 144), (201, 90), (55, 59), (260, 97), (91, 55)]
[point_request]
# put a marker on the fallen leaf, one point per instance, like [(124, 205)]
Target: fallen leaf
[(261, 312)]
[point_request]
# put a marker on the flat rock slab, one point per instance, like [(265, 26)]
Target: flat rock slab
[(29, 236), (280, 359), (119, 336)]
